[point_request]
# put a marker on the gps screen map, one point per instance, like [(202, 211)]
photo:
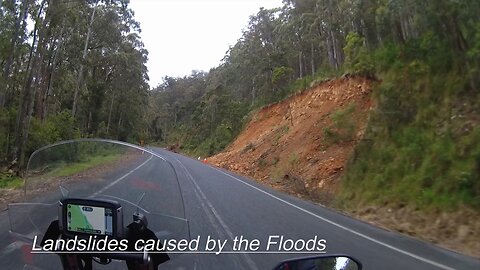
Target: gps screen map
[(89, 219)]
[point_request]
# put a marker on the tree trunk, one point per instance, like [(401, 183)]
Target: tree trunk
[(42, 78), (335, 50), (49, 89), (253, 91), (84, 56), (330, 51), (110, 112), (165, 131), (458, 39), (119, 124), (312, 59), (300, 65)]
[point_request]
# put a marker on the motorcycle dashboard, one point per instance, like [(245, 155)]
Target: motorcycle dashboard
[(85, 217)]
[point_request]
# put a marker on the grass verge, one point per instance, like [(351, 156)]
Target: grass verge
[(83, 165), (8, 181)]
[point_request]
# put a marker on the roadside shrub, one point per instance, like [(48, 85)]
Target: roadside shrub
[(222, 137), (343, 128), (330, 135), (262, 163)]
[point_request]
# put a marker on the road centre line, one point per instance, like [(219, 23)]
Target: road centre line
[(198, 191), (121, 178)]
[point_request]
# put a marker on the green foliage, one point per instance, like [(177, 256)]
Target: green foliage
[(301, 84), (205, 118), (281, 75), (386, 57), (330, 135), (474, 52), (426, 171), (343, 118), (222, 136), (343, 128), (357, 58), (214, 144), (50, 90), (419, 152), (474, 58), (10, 182), (55, 128), (102, 130)]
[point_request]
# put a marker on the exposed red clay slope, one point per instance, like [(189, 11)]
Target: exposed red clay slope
[(286, 144)]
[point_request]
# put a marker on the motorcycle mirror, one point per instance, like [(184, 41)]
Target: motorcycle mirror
[(332, 262)]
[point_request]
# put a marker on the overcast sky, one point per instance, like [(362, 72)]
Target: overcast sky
[(186, 35)]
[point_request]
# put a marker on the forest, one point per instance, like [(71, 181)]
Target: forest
[(69, 69), (77, 69)]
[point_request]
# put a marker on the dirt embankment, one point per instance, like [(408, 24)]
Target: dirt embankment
[(299, 145), (302, 144)]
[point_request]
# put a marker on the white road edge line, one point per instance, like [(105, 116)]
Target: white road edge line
[(340, 226), (121, 178)]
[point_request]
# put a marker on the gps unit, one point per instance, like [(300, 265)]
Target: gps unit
[(84, 217)]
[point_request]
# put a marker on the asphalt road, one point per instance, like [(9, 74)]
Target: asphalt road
[(222, 205)]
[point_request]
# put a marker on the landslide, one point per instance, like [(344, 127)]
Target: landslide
[(302, 146)]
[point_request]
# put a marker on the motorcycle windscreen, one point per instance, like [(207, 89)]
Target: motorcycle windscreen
[(138, 179)]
